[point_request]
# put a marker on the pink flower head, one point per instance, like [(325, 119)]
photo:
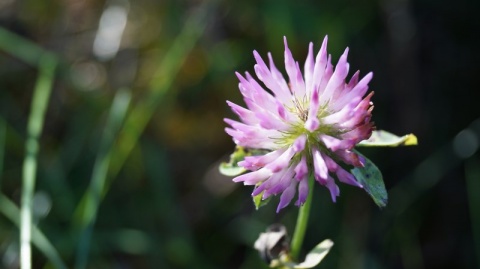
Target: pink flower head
[(308, 126)]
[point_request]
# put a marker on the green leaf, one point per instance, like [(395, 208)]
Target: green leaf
[(231, 168), (382, 138), (316, 255), (257, 200), (371, 179)]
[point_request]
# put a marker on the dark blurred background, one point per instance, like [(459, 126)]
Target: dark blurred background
[(165, 204)]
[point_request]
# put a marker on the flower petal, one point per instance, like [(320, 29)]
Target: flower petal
[(287, 196), (308, 70), (347, 178), (320, 168), (278, 87), (254, 177), (282, 161), (302, 191), (333, 188), (320, 65), (301, 170), (335, 144), (299, 143), (247, 116), (256, 162), (338, 78)]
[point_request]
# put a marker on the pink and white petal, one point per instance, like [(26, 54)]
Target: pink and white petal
[(281, 162), (320, 65), (285, 114), (312, 122), (349, 157), (254, 177), (277, 75), (283, 183), (302, 191), (256, 162), (362, 113), (272, 182), (259, 95), (353, 81), (244, 86), (270, 121), (346, 88), (319, 166), (308, 70), (253, 136), (247, 116), (301, 169), (347, 178), (290, 65), (326, 75), (298, 83), (287, 196), (343, 114), (358, 91), (359, 133), (335, 144), (236, 135), (338, 78), (357, 118), (299, 143), (333, 188), (266, 76), (252, 130), (259, 189), (331, 164)]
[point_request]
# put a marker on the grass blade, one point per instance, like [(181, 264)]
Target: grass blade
[(3, 131), (21, 48), (472, 174), (11, 211), (139, 117), (40, 99), (115, 118)]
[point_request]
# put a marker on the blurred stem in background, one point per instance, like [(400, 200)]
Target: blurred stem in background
[(302, 221), (115, 119), (141, 114), (41, 95), (431, 170), (11, 211), (3, 131), (21, 48), (472, 175), (46, 63)]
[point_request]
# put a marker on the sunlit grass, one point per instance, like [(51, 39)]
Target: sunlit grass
[(41, 96)]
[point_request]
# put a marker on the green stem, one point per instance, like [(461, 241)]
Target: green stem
[(302, 221), (115, 119), (3, 128), (472, 174), (34, 128), (10, 210)]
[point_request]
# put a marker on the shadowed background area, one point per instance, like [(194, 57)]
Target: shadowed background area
[(133, 134)]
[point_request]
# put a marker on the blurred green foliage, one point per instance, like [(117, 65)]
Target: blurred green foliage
[(162, 202)]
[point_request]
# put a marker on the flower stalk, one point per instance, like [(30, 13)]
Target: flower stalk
[(302, 221)]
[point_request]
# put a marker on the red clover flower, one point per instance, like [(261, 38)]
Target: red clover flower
[(308, 126)]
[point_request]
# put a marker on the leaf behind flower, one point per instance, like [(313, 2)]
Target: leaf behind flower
[(381, 138), (231, 168), (259, 202), (372, 180), (316, 255)]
